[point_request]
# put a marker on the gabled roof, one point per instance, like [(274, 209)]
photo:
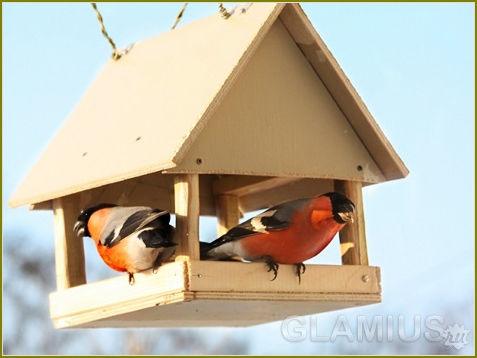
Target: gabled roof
[(160, 107)]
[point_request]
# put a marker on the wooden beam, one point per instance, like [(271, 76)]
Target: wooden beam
[(44, 205), (186, 198), (353, 236), (69, 249), (207, 293), (228, 213), (245, 185), (233, 276)]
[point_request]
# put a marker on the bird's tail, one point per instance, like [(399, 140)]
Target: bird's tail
[(159, 237), (204, 249)]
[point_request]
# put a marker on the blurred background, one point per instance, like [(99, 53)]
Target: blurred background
[(413, 65)]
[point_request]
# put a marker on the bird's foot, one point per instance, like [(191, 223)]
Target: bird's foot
[(132, 281), (272, 266), (300, 268)]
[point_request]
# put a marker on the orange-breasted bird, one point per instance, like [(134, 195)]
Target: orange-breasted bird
[(289, 233), (128, 239)]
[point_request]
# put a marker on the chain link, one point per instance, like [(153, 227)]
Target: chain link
[(116, 54), (179, 15), (223, 11)]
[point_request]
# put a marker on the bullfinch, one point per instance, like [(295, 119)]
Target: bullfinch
[(128, 239), (289, 233)]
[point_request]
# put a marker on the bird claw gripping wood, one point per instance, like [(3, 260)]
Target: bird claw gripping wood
[(272, 266), (300, 269)]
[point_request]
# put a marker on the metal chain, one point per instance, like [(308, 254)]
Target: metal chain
[(116, 54), (179, 15), (223, 11)]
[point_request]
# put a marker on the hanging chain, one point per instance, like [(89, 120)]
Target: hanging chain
[(223, 11), (179, 15), (116, 54)]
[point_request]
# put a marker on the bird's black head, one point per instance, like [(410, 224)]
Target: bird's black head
[(343, 208), (81, 224)]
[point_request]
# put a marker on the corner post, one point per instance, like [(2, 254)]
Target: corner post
[(69, 249), (353, 235), (228, 213), (186, 198)]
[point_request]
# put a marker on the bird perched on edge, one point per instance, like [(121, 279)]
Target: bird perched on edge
[(289, 233), (128, 239)]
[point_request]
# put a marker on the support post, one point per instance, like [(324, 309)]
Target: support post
[(186, 198), (69, 249), (228, 213), (353, 235)]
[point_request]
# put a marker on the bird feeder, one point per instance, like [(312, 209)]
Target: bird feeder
[(215, 118)]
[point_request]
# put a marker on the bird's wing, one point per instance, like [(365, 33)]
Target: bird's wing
[(137, 218), (274, 219)]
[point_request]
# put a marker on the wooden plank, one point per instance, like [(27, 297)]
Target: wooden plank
[(208, 205), (304, 188), (114, 296), (69, 250), (119, 194), (353, 236), (45, 205), (233, 310), (240, 185), (186, 194), (280, 126), (272, 11), (228, 213), (155, 190), (225, 294), (230, 277), (154, 196), (172, 95), (339, 86)]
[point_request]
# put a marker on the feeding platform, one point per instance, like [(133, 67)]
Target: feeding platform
[(215, 118), (208, 293)]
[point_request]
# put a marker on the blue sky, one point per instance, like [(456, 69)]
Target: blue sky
[(411, 63)]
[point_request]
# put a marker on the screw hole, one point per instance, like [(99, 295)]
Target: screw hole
[(198, 161), (359, 167)]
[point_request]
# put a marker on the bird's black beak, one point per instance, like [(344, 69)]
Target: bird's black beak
[(78, 228)]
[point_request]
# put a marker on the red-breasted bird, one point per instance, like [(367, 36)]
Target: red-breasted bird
[(289, 233), (128, 239)]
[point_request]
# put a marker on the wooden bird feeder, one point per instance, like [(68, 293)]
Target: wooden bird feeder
[(215, 118)]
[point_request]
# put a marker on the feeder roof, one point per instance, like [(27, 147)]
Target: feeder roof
[(176, 103)]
